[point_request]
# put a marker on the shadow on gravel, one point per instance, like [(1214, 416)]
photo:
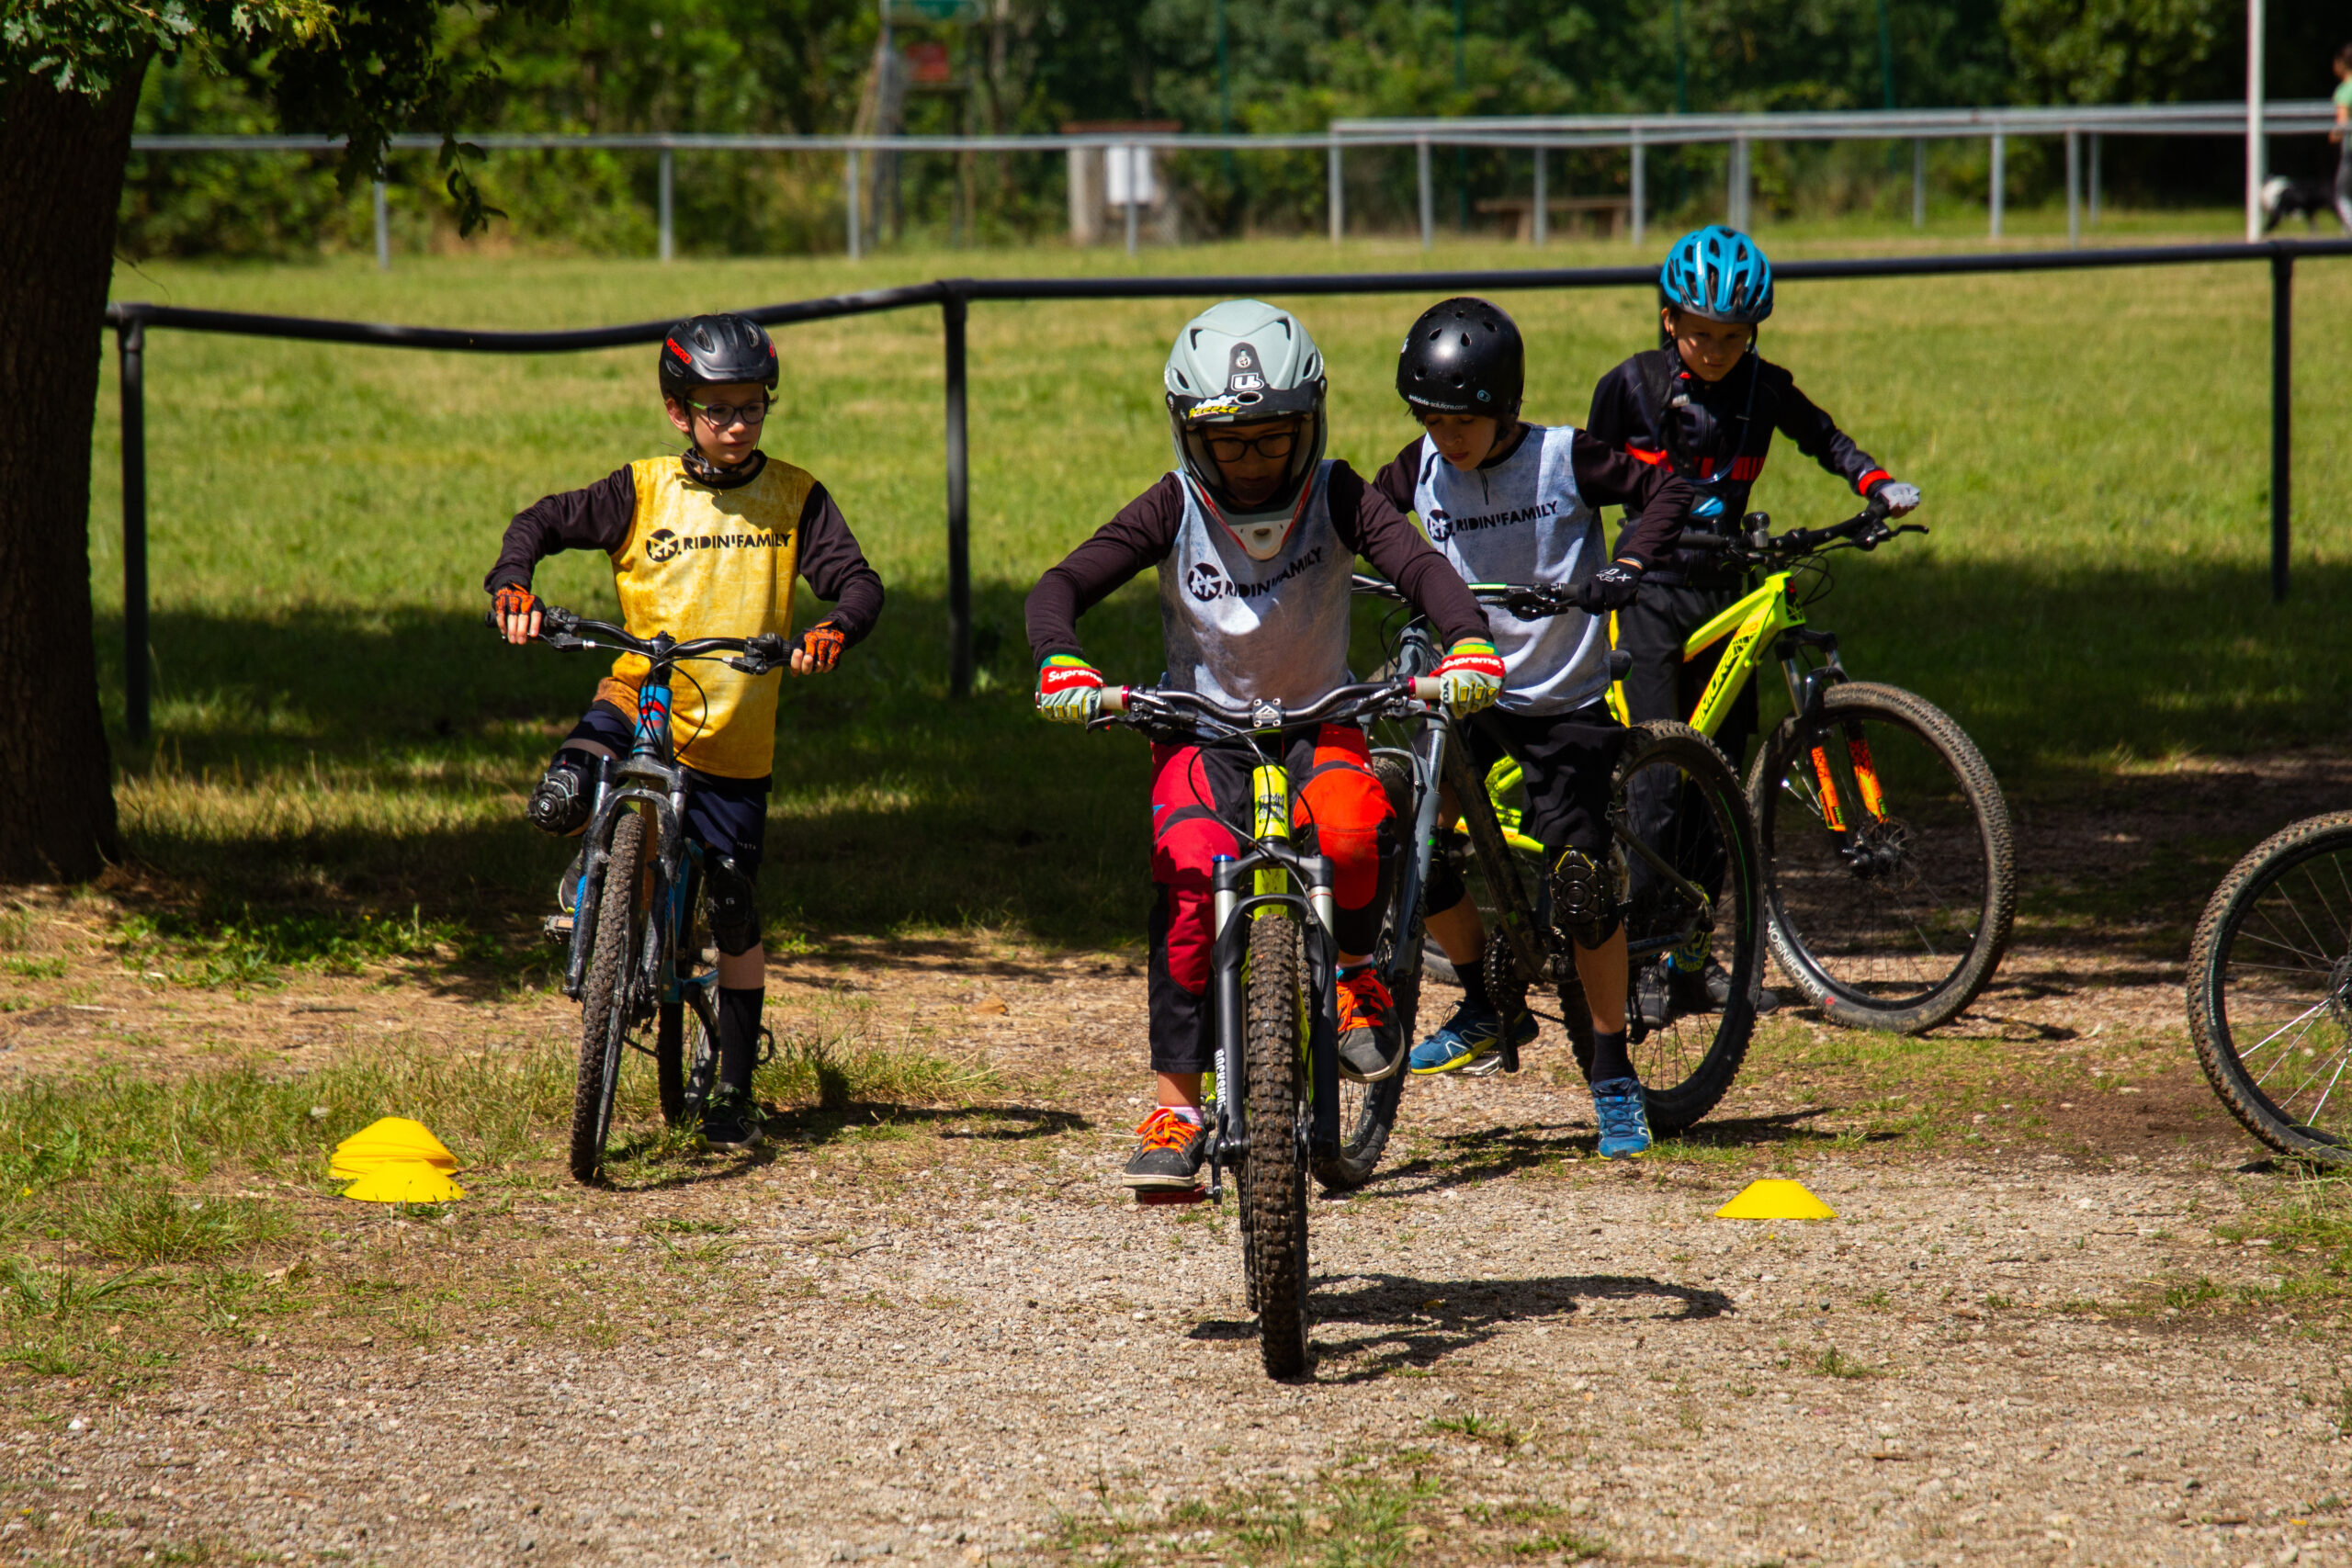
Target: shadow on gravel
[(816, 1127), (1505, 1151), (1408, 1323)]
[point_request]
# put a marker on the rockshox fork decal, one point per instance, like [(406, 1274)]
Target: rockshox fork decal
[(1866, 785), (1831, 817)]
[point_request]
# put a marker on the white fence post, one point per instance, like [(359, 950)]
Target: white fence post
[(853, 200), (1542, 197), (1640, 183), (1135, 190), (1737, 204), (1429, 211), (2253, 147), (1918, 182), (383, 231), (668, 174), (2073, 187), (1997, 195), (1339, 199), (2094, 179)]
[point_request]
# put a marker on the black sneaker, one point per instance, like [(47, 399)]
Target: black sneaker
[(1652, 1004), (559, 806), (1173, 1151), (1369, 1039), (730, 1122), (1710, 991)]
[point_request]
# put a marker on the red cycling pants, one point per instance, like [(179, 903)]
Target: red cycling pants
[(1200, 809)]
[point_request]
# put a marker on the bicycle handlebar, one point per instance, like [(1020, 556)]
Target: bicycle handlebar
[(561, 629), (1527, 601), (1365, 699)]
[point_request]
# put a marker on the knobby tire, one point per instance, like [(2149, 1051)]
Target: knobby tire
[(1274, 1176), (603, 1010)]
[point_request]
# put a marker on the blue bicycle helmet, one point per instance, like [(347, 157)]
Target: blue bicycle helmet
[(1718, 273)]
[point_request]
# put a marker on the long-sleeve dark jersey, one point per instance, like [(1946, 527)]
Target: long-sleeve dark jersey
[(1725, 432)]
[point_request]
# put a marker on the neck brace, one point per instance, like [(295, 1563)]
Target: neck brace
[(1260, 534)]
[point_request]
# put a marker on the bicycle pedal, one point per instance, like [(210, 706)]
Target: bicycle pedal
[(558, 930), (1166, 1197), (1486, 1066)]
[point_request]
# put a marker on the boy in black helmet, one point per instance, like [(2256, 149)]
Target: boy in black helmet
[(703, 544), (1505, 500)]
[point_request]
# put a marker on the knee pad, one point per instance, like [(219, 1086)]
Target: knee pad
[(1446, 888), (734, 911), (1585, 897), (560, 804)]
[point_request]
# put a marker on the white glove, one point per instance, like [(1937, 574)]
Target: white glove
[(1901, 499)]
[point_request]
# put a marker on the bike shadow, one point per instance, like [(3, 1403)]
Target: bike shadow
[(1466, 1157), (811, 1127), (1403, 1324)]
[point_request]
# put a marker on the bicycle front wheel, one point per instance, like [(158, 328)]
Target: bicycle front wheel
[(1890, 876), (605, 1001), (1273, 1174), (1692, 902), (2270, 989)]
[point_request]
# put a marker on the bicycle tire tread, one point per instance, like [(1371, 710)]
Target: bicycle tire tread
[(1273, 1176), (602, 996)]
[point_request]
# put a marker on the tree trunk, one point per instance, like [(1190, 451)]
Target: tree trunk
[(61, 159)]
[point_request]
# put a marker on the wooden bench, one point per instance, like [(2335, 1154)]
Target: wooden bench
[(1520, 210)]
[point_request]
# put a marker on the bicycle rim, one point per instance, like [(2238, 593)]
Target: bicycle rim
[(2270, 990), (606, 1000), (1273, 1176), (1683, 800), (1886, 846)]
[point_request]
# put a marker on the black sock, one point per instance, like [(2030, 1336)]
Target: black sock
[(1609, 1058), (738, 1034)]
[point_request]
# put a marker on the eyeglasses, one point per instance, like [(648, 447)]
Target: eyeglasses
[(721, 416), (1232, 448)]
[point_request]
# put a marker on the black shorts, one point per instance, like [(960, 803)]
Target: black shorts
[(1567, 760), (726, 816)]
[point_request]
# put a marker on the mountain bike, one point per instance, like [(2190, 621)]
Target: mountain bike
[(2270, 989), (1890, 877), (633, 919), (1272, 990), (1685, 857)]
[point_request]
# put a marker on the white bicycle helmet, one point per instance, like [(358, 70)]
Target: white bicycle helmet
[(1241, 363)]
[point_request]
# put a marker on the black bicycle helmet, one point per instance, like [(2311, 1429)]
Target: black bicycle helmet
[(1464, 356), (717, 351)]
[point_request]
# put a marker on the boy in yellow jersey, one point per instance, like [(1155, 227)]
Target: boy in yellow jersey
[(703, 544)]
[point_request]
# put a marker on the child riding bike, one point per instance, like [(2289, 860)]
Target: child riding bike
[(1255, 534), (1704, 404), (1510, 501), (703, 544)]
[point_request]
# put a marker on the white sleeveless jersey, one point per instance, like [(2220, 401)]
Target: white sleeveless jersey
[(1239, 630), (1522, 521)]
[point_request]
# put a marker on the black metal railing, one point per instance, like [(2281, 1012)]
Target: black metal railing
[(954, 296)]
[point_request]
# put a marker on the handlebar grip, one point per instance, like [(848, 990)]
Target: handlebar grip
[(1115, 699), (1426, 687)]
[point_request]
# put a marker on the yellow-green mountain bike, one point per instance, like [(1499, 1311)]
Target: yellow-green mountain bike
[(1890, 880)]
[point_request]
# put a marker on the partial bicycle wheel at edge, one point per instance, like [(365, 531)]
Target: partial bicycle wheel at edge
[(1897, 922), (1274, 1175), (2270, 990), (603, 1010), (1368, 1112), (1681, 796)]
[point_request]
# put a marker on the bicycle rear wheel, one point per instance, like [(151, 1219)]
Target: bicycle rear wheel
[(1680, 798), (2270, 990), (1368, 1110), (1273, 1174), (605, 1002), (1890, 877)]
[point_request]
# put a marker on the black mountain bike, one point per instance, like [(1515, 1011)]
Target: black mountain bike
[(634, 920), (2270, 989), (1273, 991), (1685, 856)]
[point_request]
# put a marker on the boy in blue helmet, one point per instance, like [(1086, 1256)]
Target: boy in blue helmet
[(1705, 405)]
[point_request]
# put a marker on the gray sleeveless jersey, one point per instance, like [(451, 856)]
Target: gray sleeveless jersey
[(1239, 630), (1522, 521)]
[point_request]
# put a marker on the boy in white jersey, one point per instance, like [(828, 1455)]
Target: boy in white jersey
[(1509, 501), (703, 544), (1255, 536)]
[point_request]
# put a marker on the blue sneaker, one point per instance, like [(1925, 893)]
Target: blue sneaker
[(1624, 1112), (1471, 1041)]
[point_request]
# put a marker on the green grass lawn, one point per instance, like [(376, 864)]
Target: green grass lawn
[(331, 716)]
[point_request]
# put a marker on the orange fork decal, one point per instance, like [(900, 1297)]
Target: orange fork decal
[(1866, 775), (1831, 817)]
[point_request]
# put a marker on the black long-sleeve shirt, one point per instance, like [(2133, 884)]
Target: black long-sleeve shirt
[(1605, 476), (599, 516), (1145, 531), (1726, 433)]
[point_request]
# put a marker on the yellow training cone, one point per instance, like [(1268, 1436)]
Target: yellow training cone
[(1776, 1200), (410, 1182), (392, 1141)]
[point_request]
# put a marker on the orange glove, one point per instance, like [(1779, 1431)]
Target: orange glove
[(821, 648), (516, 610)]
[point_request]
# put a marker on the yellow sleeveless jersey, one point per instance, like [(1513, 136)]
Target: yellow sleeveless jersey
[(705, 562)]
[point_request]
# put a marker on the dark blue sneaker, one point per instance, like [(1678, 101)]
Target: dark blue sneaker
[(1471, 1041), (1622, 1110)]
